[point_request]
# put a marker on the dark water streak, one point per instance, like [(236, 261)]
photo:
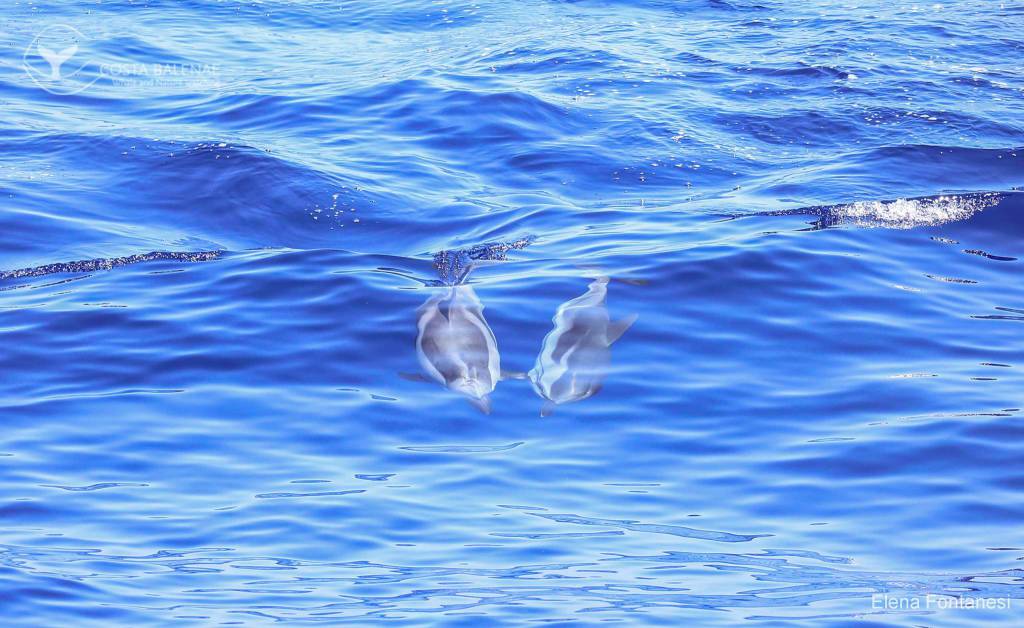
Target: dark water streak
[(92, 265)]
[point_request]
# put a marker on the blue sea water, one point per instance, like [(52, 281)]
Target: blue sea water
[(810, 209)]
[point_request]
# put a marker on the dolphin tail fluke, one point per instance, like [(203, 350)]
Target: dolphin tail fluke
[(616, 329)]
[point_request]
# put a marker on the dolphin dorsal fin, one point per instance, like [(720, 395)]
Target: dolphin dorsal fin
[(619, 327)]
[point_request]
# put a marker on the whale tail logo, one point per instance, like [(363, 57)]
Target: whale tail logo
[(57, 59)]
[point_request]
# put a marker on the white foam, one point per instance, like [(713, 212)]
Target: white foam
[(904, 213)]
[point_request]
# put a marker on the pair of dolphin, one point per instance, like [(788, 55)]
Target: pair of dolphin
[(457, 348)]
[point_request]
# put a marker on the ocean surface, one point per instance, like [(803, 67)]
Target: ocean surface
[(795, 394)]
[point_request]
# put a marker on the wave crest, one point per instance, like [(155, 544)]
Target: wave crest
[(902, 213)]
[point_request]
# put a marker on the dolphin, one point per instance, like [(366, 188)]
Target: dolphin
[(576, 354), (456, 346)]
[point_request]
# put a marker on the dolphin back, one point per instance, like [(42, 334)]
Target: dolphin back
[(575, 355), (454, 344)]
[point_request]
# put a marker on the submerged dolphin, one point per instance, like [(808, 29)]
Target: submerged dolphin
[(454, 343), (576, 354), (456, 346)]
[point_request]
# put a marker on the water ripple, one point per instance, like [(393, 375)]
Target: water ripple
[(813, 208)]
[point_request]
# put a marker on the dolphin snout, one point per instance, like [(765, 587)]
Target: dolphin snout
[(473, 388), (477, 392)]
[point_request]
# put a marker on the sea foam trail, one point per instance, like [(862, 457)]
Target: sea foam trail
[(106, 263), (901, 213)]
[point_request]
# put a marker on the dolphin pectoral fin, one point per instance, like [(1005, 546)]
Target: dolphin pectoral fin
[(512, 374), (414, 377), (547, 408), (616, 329), (483, 404)]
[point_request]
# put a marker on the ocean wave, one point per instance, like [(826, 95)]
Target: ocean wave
[(902, 213), (107, 263), (912, 212), (238, 440)]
